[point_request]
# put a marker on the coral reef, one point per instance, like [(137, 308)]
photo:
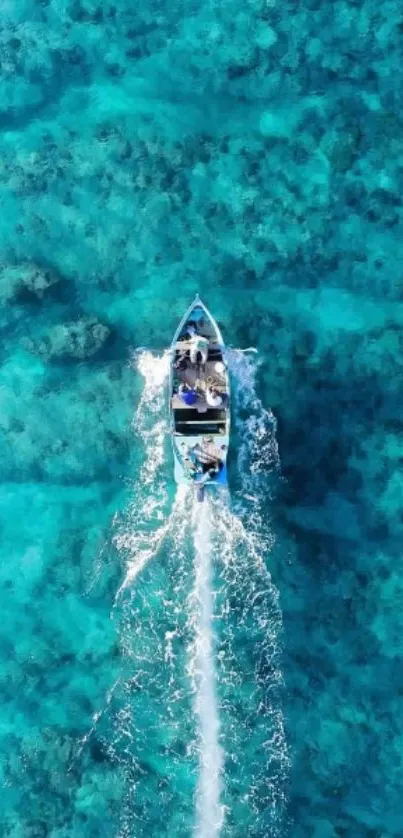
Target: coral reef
[(251, 152), (78, 341)]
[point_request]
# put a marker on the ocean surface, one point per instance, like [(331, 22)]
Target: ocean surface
[(230, 670)]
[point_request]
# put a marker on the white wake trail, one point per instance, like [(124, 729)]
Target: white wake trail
[(146, 524), (160, 617), (210, 812)]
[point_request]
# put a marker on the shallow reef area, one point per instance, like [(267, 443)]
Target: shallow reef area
[(251, 152)]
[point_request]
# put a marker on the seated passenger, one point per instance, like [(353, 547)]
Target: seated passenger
[(198, 345), (214, 397), (212, 471), (215, 469), (181, 362), (193, 459), (187, 395), (192, 469), (191, 329)]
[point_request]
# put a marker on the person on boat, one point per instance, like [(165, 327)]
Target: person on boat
[(212, 471), (198, 346), (193, 457), (191, 329), (192, 469), (187, 394), (192, 463), (214, 397), (216, 469), (181, 362)]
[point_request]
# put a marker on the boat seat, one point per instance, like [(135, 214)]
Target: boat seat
[(189, 415), (183, 344), (214, 353), (200, 429)]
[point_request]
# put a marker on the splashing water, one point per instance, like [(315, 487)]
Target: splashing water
[(258, 449), (210, 812), (144, 527), (258, 458), (248, 593), (155, 373), (249, 675), (203, 700), (153, 729)]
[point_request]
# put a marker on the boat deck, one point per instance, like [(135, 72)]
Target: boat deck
[(184, 344), (198, 378), (201, 404), (209, 449), (200, 416), (200, 432)]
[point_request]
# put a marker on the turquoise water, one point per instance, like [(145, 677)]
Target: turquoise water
[(169, 670)]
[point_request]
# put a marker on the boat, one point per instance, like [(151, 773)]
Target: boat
[(199, 401)]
